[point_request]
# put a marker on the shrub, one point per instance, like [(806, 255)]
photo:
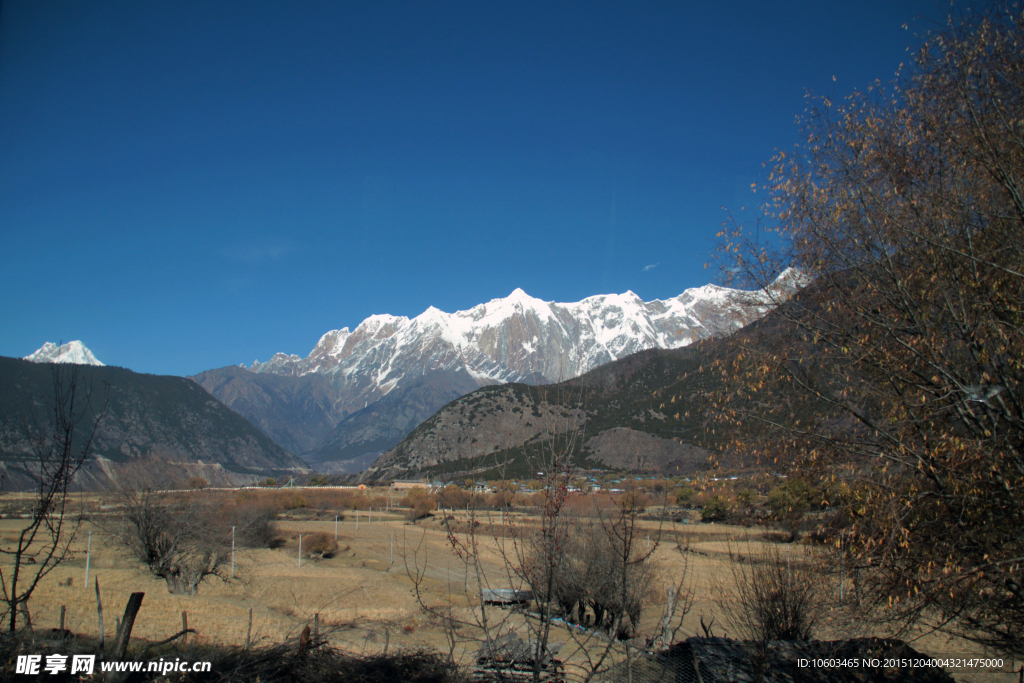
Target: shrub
[(716, 510), (453, 497), (296, 502), (773, 598), (633, 500), (684, 494), (420, 509), (254, 525), (176, 539), (196, 483), (319, 544), (791, 500), (420, 503)]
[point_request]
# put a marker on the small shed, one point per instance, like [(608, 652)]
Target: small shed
[(405, 484), (505, 596)]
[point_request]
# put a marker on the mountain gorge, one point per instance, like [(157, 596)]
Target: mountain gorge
[(358, 392)]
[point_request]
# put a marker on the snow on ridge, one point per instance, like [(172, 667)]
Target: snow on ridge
[(498, 340), (72, 352)]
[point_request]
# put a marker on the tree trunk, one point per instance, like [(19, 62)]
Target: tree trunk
[(124, 632)]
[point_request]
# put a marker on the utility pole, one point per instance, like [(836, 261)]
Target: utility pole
[(88, 555)]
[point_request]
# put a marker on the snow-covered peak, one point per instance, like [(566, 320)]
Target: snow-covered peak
[(72, 352), (378, 320), (518, 296), (519, 337)]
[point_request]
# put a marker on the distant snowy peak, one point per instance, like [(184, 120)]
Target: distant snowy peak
[(72, 352), (520, 338)]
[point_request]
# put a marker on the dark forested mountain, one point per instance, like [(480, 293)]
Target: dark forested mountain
[(298, 412), (169, 420)]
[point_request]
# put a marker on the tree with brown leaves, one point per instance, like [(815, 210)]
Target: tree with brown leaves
[(900, 369)]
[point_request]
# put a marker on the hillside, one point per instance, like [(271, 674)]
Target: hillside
[(654, 411), (641, 413), (168, 419)]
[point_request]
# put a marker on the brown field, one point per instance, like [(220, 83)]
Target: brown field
[(365, 601)]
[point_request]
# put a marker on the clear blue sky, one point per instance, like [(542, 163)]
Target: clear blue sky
[(186, 185)]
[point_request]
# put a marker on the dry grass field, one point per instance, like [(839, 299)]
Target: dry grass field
[(367, 602)]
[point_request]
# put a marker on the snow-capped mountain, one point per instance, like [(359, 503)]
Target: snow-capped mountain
[(520, 338), (72, 352), (359, 392)]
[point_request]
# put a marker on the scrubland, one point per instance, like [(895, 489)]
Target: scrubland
[(364, 601)]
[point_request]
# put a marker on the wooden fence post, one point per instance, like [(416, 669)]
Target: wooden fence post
[(99, 611), (248, 633)]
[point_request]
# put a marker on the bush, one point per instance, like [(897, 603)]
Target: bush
[(716, 510), (420, 503), (791, 500), (319, 545), (773, 598), (196, 483), (684, 494), (254, 525), (633, 500), (176, 538), (452, 496), (296, 502), (420, 509)]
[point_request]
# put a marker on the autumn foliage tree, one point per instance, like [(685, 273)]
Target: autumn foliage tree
[(899, 368)]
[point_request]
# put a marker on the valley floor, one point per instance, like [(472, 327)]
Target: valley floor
[(364, 600)]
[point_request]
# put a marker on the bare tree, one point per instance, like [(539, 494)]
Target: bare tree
[(175, 536), (586, 572), (772, 596), (60, 448)]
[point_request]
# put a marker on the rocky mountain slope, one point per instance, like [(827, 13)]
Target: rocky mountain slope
[(641, 413), (515, 339), (167, 420), (655, 411)]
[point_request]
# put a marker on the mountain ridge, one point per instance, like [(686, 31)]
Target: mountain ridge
[(514, 339)]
